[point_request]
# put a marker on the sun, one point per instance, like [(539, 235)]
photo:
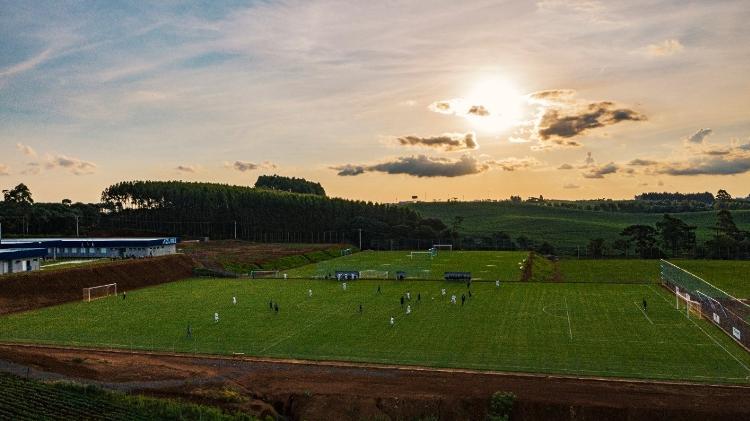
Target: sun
[(494, 105)]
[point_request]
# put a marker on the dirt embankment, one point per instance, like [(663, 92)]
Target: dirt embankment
[(30, 290), (346, 391)]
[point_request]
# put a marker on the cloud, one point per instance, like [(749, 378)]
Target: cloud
[(551, 96), (446, 141), (513, 164), (565, 167), (571, 186), (642, 162), (4, 169), (718, 165), (601, 171), (558, 125), (26, 149), (699, 136), (26, 65), (32, 168), (459, 107), (589, 159), (74, 165), (667, 47), (419, 166), (244, 166), (478, 110), (187, 168)]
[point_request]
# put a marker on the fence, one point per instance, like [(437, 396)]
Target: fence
[(725, 311)]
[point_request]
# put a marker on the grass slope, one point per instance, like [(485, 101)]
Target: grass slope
[(33, 400), (559, 226), (581, 329)]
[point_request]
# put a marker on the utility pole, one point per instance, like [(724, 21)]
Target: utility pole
[(360, 239)]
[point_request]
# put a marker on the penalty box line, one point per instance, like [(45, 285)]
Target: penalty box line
[(705, 333)]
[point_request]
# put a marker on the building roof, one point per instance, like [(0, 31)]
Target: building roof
[(11, 254), (85, 242)]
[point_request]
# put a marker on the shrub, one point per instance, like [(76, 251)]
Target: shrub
[(501, 406)]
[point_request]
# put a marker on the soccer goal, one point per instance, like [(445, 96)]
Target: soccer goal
[(448, 247), (421, 254), (373, 274), (683, 300), (100, 291), (264, 274)]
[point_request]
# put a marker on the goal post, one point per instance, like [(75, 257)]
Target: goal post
[(683, 300), (448, 247), (421, 254), (264, 274), (99, 291)]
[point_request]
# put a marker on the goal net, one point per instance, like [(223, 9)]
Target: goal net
[(448, 247), (100, 291), (700, 297), (373, 274), (264, 274)]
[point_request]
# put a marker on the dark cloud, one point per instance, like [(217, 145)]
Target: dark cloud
[(244, 166), (558, 125), (718, 165), (74, 165), (186, 168), (642, 162), (601, 171), (349, 170), (478, 110), (447, 141), (513, 164), (699, 136), (419, 166), (565, 167)]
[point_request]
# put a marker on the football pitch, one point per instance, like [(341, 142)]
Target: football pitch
[(587, 329)]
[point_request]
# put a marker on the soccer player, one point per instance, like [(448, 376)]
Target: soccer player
[(270, 304), (463, 299), (309, 292), (344, 285), (419, 297), (408, 296), (453, 299), (285, 276), (442, 291), (402, 301), (189, 331), (497, 284), (124, 295), (276, 308), (379, 290), (469, 293), (360, 309), (234, 300), (645, 305), (408, 309), (392, 321), (216, 317)]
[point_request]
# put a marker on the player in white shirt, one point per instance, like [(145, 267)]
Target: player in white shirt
[(216, 317)]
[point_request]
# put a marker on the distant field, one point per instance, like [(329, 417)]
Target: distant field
[(580, 329), (559, 226), (732, 276), (610, 270), (485, 265)]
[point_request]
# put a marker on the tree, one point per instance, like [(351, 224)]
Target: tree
[(596, 248), (67, 202), (676, 234), (644, 237), (622, 245), (723, 196), (289, 184), (19, 194)]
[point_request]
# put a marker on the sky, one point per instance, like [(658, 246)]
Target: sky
[(380, 100)]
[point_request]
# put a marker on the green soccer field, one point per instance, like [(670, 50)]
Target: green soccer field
[(484, 265), (587, 329)]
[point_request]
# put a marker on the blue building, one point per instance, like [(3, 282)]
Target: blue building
[(21, 260), (95, 248)]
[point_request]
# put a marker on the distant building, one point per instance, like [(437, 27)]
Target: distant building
[(14, 260), (95, 248)]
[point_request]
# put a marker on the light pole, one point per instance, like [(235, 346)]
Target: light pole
[(360, 238), (76, 217)]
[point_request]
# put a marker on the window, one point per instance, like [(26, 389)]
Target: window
[(103, 250), (67, 250), (92, 250), (74, 250)]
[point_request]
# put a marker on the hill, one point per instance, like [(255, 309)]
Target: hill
[(559, 226)]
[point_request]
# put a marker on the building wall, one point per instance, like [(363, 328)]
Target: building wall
[(20, 265), (111, 252)]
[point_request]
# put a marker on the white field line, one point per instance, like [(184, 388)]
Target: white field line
[(707, 334), (642, 311), (570, 328)]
